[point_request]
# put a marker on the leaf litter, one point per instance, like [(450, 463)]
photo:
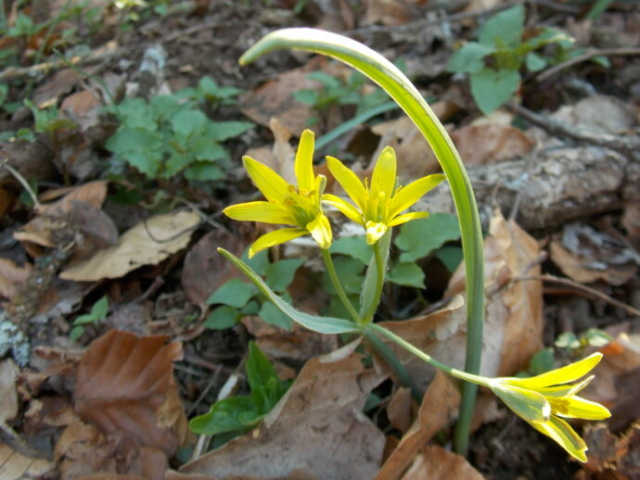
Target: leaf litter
[(100, 441)]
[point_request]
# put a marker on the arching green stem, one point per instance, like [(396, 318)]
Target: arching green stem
[(333, 276), (400, 88)]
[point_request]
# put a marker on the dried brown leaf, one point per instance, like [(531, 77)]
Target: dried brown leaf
[(439, 406), (125, 387), (435, 463), (317, 429), (15, 466), (491, 143), (148, 243), (12, 277), (9, 405)]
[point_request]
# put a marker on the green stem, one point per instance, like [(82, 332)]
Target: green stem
[(392, 360), (331, 270), (400, 88), (379, 283), (454, 372)]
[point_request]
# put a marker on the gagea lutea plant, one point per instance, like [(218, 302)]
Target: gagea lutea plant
[(379, 204)]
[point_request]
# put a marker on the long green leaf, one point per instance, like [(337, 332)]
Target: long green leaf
[(312, 322), (400, 88)]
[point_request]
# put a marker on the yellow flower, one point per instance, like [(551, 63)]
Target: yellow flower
[(544, 400), (378, 207), (286, 204)]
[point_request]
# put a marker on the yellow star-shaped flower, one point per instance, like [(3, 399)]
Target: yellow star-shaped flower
[(286, 205), (378, 207), (544, 400)]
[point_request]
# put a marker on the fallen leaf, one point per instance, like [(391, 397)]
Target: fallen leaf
[(9, 405), (12, 277), (611, 456), (399, 409), (281, 155), (435, 463), (148, 243), (15, 466), (205, 270), (389, 12), (48, 93), (490, 143), (587, 255), (274, 99), (125, 387), (514, 307), (83, 108), (439, 407), (599, 114), (317, 430)]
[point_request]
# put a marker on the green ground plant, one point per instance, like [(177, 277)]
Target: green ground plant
[(97, 314), (171, 135), (233, 416), (504, 48), (377, 204)]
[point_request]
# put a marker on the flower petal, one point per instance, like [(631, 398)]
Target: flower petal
[(271, 185), (561, 432), (320, 230), (407, 217), (275, 238), (349, 181), (260, 212), (407, 196), (576, 407), (303, 164), (345, 207), (375, 231), (529, 405), (559, 376), (383, 178)]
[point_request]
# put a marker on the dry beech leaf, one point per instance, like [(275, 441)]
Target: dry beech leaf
[(12, 277), (389, 12), (491, 143), (274, 99), (49, 92), (15, 466), (435, 463), (205, 270), (611, 456), (61, 213), (148, 243), (399, 409), (514, 308), (280, 156), (587, 255), (125, 387), (614, 384), (9, 405), (439, 407), (317, 429), (599, 114)]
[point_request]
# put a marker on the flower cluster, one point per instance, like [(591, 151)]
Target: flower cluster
[(377, 207)]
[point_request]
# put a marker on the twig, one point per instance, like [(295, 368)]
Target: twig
[(583, 288), (627, 145), (584, 57)]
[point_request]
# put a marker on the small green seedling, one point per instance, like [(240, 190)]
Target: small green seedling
[(167, 136), (234, 416), (574, 344), (493, 63), (98, 313)]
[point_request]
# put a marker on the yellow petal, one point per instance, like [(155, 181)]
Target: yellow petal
[(559, 376), (260, 212), (320, 230), (345, 207), (304, 162), (527, 404), (562, 433), (384, 174), (275, 238), (407, 217), (576, 407), (349, 181), (407, 196), (271, 185), (375, 231)]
